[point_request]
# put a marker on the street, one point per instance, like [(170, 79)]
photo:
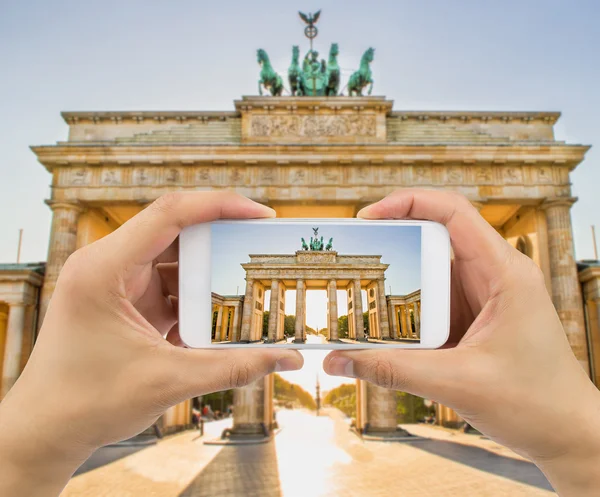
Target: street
[(315, 456)]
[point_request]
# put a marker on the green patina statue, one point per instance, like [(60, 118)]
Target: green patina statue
[(333, 72), (268, 77), (317, 244), (295, 74), (362, 77), (314, 77)]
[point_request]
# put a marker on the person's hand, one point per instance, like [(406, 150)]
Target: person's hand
[(507, 369), (101, 370)]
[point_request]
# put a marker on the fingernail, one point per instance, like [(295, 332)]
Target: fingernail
[(341, 366), (364, 212), (286, 364)]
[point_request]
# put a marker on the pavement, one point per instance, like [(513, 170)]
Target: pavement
[(313, 456)]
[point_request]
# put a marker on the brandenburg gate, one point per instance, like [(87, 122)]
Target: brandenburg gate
[(316, 157), (317, 270)]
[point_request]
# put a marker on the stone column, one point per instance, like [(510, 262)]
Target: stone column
[(359, 325), (273, 312), (248, 409), (333, 311), (224, 323), (402, 321), (566, 292), (63, 242), (394, 324), (248, 311), (218, 327), (300, 327), (384, 324), (381, 409), (235, 326), (13, 347), (417, 315), (409, 329)]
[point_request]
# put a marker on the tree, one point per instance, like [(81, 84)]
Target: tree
[(289, 326), (411, 409), (343, 326), (288, 392), (343, 398), (366, 322), (265, 330)]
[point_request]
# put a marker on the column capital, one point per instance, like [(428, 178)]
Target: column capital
[(75, 205), (551, 202)]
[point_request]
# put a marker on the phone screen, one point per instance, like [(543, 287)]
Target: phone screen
[(281, 283)]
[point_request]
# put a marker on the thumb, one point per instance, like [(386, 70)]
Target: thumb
[(433, 374), (202, 371)]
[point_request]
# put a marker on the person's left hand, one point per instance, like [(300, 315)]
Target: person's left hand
[(101, 370)]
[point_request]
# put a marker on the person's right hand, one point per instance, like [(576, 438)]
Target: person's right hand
[(508, 369)]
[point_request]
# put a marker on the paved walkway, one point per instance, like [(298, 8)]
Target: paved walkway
[(317, 457)]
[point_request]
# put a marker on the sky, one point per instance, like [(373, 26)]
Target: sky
[(534, 55), (400, 247)]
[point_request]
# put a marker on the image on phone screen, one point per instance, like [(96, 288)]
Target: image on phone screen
[(306, 284)]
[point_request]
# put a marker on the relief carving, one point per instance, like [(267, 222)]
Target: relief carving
[(422, 175), (512, 175), (110, 177), (298, 176), (172, 176), (141, 177), (544, 175), (80, 177), (483, 175), (455, 175), (236, 175), (204, 174), (313, 125)]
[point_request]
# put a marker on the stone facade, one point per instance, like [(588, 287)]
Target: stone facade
[(324, 157)]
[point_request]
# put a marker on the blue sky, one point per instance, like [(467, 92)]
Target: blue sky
[(400, 247), (193, 55)]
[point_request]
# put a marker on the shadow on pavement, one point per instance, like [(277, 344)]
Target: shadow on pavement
[(106, 455), (245, 470), (484, 460)]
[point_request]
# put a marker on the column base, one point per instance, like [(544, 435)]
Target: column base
[(335, 340), (299, 340)]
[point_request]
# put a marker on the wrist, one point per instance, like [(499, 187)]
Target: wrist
[(574, 472), (35, 458)]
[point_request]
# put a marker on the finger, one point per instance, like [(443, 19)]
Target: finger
[(169, 275), (201, 371), (147, 235), (472, 237), (426, 373), (155, 306)]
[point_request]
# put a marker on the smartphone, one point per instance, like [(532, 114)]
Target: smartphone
[(314, 284)]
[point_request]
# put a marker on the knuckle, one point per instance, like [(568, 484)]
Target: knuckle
[(240, 374), (168, 202), (383, 373)]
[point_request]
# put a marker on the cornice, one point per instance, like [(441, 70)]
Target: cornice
[(118, 117), (526, 117), (561, 155)]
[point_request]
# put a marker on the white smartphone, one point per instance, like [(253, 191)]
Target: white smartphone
[(314, 284)]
